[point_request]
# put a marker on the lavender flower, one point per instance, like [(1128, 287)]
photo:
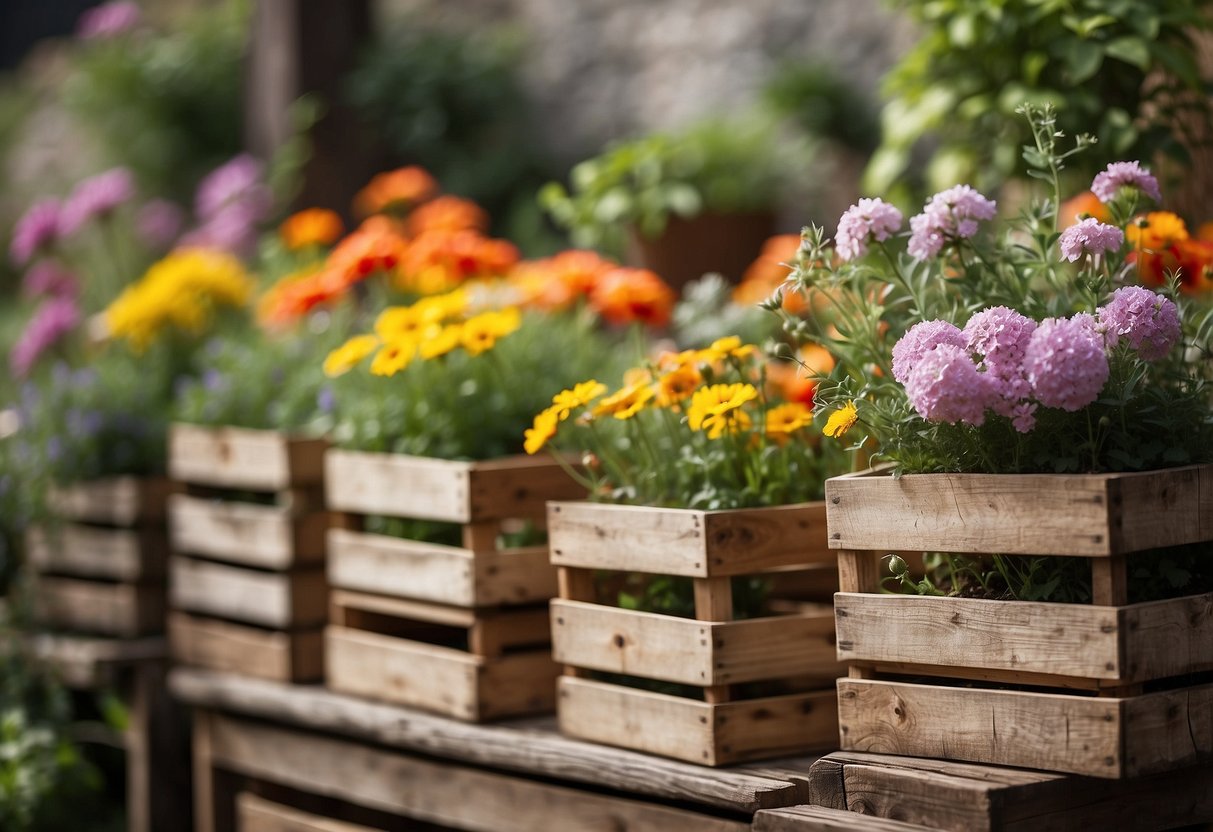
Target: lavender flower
[(236, 181), (945, 386), (94, 198), (233, 230), (948, 216), (54, 319), (1066, 364), (1119, 175), (325, 400), (49, 279), (108, 20), (919, 340), (37, 229), (1089, 236), (159, 222), (873, 218), (1000, 335), (1147, 320)]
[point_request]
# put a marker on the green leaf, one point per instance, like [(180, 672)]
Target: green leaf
[(1131, 50), (683, 199), (1083, 58)]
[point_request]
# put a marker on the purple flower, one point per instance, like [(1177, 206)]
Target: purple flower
[(873, 218), (948, 216), (1089, 236), (1121, 175), (918, 341), (1147, 320), (54, 319), (108, 20), (36, 230), (213, 380), (159, 222), (945, 386), (94, 198), (1023, 416), (233, 230), (325, 400), (1100, 329), (1000, 335), (1066, 364), (49, 279), (236, 181)]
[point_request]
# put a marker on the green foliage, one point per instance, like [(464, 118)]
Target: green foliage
[(1121, 68), (823, 104), (727, 167), (706, 312)]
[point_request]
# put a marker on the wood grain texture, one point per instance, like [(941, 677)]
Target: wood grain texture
[(268, 537), (454, 796), (87, 662), (112, 609), (1085, 515), (1168, 638), (686, 542), (656, 646), (527, 746), (249, 651), (1168, 730), (268, 599), (114, 501), (437, 573), (115, 554), (239, 458), (256, 814), (821, 819)]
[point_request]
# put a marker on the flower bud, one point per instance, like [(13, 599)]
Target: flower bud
[(897, 566)]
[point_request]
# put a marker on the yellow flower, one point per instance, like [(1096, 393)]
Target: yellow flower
[(442, 341), (393, 357), (675, 386), (480, 333), (343, 359), (582, 394), (439, 308), (723, 348), (397, 322), (787, 418), (718, 407), (841, 420), (625, 402), (543, 429)]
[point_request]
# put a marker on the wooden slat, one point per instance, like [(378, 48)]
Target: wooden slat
[(1015, 514), (248, 651), (447, 616), (453, 796), (269, 599), (230, 457), (684, 541), (437, 573), (1168, 730), (256, 814), (268, 537), (821, 819), (673, 649), (95, 607), (115, 501), (87, 662), (519, 487), (96, 552), (1168, 638), (531, 746)]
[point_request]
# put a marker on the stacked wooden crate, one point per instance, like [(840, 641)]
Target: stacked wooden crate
[(459, 630), (247, 531)]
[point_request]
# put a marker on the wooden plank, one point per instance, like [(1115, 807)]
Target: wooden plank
[(519, 487), (87, 662), (256, 814), (437, 679), (437, 573), (821, 819), (403, 608), (434, 791), (858, 571), (239, 458), (1063, 514), (96, 552), (773, 726), (656, 646), (1168, 638), (683, 541), (115, 501), (270, 599), (531, 746), (96, 607), (248, 651), (1168, 730), (1055, 732), (269, 537)]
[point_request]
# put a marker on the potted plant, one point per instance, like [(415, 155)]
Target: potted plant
[(1047, 421)]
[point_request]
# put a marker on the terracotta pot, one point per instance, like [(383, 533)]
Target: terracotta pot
[(690, 248)]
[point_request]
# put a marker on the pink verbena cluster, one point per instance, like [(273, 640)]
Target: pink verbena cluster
[(945, 386), (1089, 236), (867, 219), (948, 216), (95, 198), (1107, 183), (37, 230), (918, 341), (1148, 321), (231, 201), (108, 20), (54, 319), (1066, 364)]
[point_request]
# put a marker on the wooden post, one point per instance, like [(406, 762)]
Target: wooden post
[(714, 602), (575, 585)]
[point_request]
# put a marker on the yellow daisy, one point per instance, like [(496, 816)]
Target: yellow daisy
[(841, 420), (346, 356)]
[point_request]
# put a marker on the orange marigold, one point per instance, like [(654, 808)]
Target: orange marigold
[(446, 213), (311, 227), (625, 295), (1083, 204), (396, 191), (440, 260), (558, 281), (376, 246)]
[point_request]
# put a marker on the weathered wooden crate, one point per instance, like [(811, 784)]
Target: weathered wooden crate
[(711, 651), (1060, 687), (97, 607), (460, 630), (256, 814), (280, 656), (129, 555), (112, 501)]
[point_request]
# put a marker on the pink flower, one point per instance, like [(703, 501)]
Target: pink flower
[(945, 386), (159, 222), (54, 319), (948, 216), (37, 229), (48, 278), (1119, 175), (1066, 364), (95, 197), (1147, 320), (235, 181), (873, 218), (1000, 335), (919, 340), (108, 20), (1089, 236)]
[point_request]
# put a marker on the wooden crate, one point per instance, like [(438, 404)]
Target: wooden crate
[(256, 814), (1058, 687), (97, 607), (397, 604), (112, 501), (130, 555), (280, 656), (711, 651), (242, 459)]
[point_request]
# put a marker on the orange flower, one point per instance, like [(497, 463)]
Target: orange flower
[(624, 295), (376, 246), (1085, 203), (768, 272), (798, 383), (447, 213), (310, 227), (439, 260), (558, 281), (1155, 239), (1195, 263), (396, 191), (294, 296)]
